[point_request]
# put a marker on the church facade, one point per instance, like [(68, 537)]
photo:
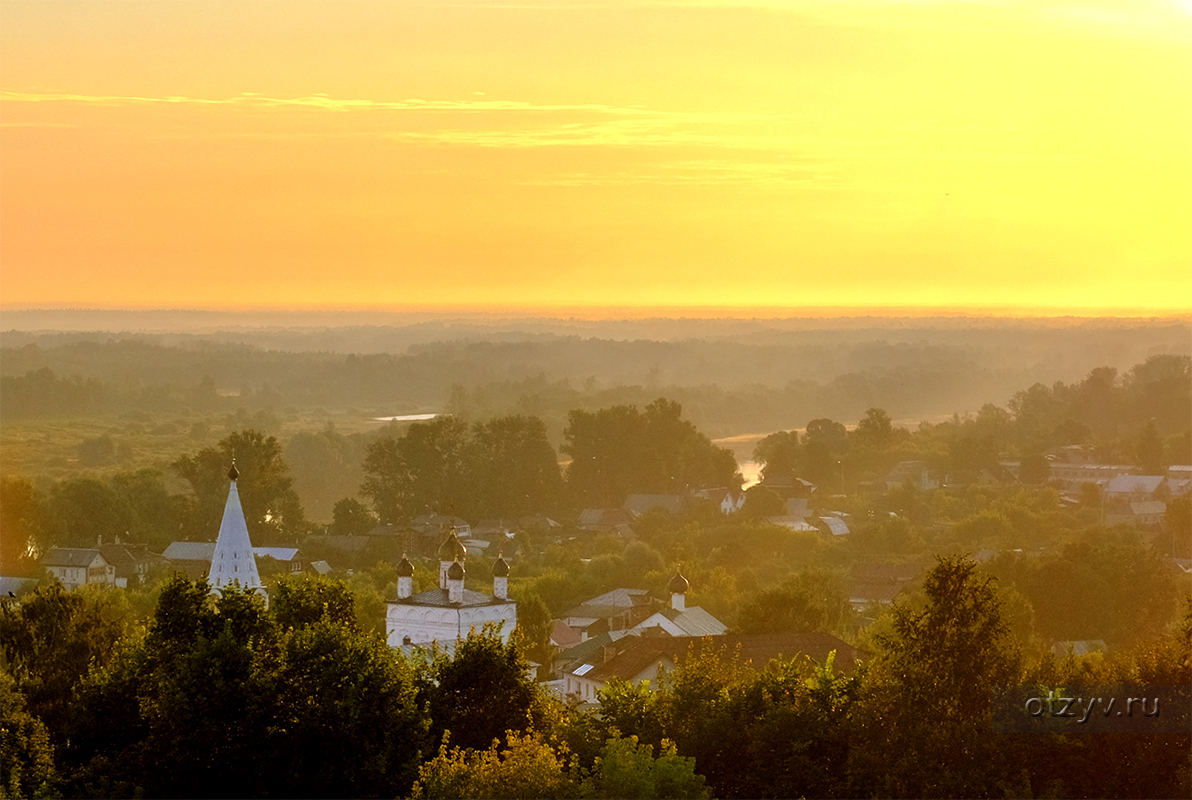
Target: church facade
[(449, 612)]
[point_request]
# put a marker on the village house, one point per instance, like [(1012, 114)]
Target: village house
[(645, 658), (79, 566), (679, 620)]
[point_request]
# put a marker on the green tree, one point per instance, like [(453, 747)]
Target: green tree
[(626, 768), (302, 600), (49, 642), (761, 502), (875, 430), (480, 691), (1034, 469), (346, 721), (157, 516), (513, 468), (779, 454), (534, 627), (20, 511), (223, 698), (825, 444), (1150, 450), (784, 609), (325, 465), (271, 507), (423, 470), (1161, 389), (523, 767), (350, 517), (97, 452), (924, 726), (26, 755), (618, 451), (1177, 523), (80, 511)]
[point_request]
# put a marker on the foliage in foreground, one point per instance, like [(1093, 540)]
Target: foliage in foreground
[(527, 767), (295, 700)]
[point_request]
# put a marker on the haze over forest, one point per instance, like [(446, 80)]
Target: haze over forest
[(860, 329), (173, 379)]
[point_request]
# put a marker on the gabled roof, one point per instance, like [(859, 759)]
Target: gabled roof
[(755, 651), (389, 529), (495, 526), (205, 551), (1148, 508), (621, 597), (190, 551), (605, 517), (1078, 647), (435, 523), (563, 635), (641, 503), (538, 521), (346, 543), (18, 586), (276, 553), (791, 522), (1132, 484), (836, 526), (71, 557), (117, 554), (584, 650), (692, 621)]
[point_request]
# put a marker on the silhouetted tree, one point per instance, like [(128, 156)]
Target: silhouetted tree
[(271, 507)]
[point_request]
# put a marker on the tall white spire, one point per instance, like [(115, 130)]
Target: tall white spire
[(233, 561)]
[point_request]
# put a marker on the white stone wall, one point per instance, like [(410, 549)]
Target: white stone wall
[(429, 623)]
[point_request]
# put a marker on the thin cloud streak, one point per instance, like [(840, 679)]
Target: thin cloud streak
[(327, 103)]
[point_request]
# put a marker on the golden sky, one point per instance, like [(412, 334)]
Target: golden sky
[(1031, 156)]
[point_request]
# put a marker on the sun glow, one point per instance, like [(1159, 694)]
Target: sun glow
[(1026, 156)]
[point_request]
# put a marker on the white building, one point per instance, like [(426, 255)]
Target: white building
[(450, 611), (679, 620), (233, 561), (76, 566)]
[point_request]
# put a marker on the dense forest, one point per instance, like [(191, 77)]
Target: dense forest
[(153, 690), (729, 380), (295, 700)]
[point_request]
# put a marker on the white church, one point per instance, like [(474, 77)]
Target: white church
[(449, 612), (233, 561)]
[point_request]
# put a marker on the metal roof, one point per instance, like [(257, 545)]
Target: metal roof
[(438, 598), (190, 551), (71, 557)]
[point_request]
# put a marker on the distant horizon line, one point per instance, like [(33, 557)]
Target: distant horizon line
[(620, 312)]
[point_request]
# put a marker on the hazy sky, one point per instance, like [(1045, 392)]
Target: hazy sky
[(1025, 156)]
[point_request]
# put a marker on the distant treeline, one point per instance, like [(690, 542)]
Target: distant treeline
[(752, 381)]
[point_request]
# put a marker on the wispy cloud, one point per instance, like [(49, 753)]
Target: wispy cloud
[(709, 172), (37, 125), (318, 101), (483, 122), (327, 103)]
